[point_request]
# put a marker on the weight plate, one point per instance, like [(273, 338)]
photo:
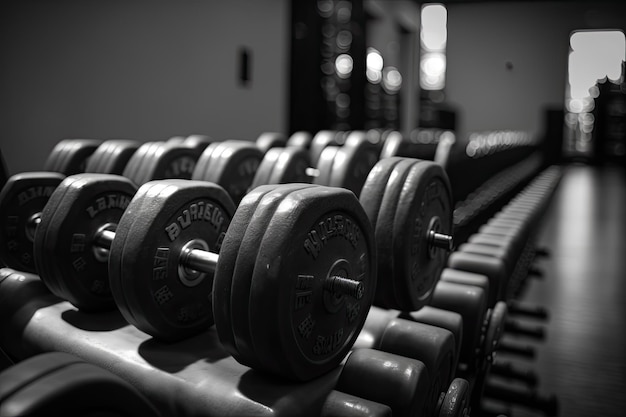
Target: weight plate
[(445, 319), (70, 156), (324, 166), (42, 266), (391, 144), (269, 140), (264, 170), (244, 267), (470, 302), (68, 255), (300, 139), (456, 402), (386, 378), (22, 200), (340, 404), (353, 163), (373, 138), (199, 142), (112, 156), (416, 200), (382, 189), (169, 161), (231, 164), (321, 140), (134, 169), (223, 279), (166, 299), (495, 329), (432, 345), (291, 167), (299, 328), (120, 295), (283, 166), (176, 140)]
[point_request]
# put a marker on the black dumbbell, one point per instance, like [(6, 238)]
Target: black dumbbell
[(161, 265), (71, 156), (345, 166)]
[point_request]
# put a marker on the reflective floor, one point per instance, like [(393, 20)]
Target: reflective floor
[(583, 358)]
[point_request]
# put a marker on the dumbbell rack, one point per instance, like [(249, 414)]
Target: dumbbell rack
[(183, 378), (180, 378)]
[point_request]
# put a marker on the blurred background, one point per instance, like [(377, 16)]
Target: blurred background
[(150, 70)]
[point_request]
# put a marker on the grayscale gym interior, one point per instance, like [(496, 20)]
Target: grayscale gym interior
[(421, 207)]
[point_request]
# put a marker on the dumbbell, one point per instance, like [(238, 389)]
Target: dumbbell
[(300, 139), (344, 166), (268, 140), (421, 143), (111, 156), (399, 382), (56, 383), (160, 160), (233, 163), (409, 203), (406, 198), (160, 266), (434, 346), (70, 156)]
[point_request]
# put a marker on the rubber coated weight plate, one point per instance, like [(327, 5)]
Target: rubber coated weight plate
[(44, 268), (223, 279), (244, 267), (375, 197), (495, 329), (264, 170), (269, 140), (199, 142), (393, 380), (300, 139), (70, 156), (416, 200), (282, 166), (321, 140), (67, 254), (456, 402), (22, 199), (231, 164), (325, 165), (471, 303), (300, 327), (112, 156), (392, 144), (171, 161), (340, 404), (135, 168), (353, 163), (203, 162), (431, 345), (164, 298)]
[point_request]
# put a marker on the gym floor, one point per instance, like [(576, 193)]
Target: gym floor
[(583, 357)]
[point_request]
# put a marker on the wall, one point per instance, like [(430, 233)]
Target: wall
[(507, 61), (145, 70)]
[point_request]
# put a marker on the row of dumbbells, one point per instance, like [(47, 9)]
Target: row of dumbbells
[(503, 249), (66, 195), (79, 194)]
